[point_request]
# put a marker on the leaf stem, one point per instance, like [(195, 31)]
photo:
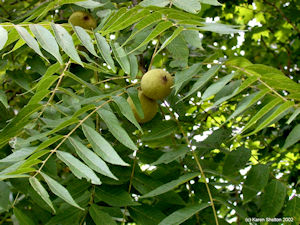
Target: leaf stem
[(154, 54), (55, 89), (265, 84)]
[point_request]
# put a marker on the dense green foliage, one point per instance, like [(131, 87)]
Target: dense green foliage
[(222, 149)]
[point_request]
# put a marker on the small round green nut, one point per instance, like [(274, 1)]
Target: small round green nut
[(156, 84), (83, 19)]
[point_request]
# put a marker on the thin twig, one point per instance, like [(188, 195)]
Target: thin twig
[(265, 84), (15, 201), (130, 185), (153, 55), (283, 15), (75, 128), (112, 78), (134, 2), (55, 89)]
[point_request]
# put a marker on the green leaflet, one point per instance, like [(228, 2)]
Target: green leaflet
[(46, 40), (181, 215), (115, 128), (161, 27), (3, 37), (85, 39), (60, 190), (171, 185), (65, 41)]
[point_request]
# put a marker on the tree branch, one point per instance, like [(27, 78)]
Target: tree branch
[(134, 2), (283, 15)]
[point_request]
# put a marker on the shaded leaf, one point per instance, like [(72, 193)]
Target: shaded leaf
[(216, 87), (81, 81), (171, 185), (5, 204), (18, 155), (22, 217), (100, 217), (172, 155), (3, 99), (278, 112), (38, 187), (114, 196), (164, 129), (292, 208), (293, 137), (263, 111), (128, 20), (294, 115), (48, 142), (247, 102), (273, 199), (257, 179), (182, 77), (236, 160), (170, 39), (181, 215), (146, 215), (144, 23), (134, 67), (18, 122), (133, 94), (67, 122), (60, 190)]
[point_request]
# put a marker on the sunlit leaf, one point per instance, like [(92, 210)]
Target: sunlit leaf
[(46, 40), (79, 169), (102, 147), (65, 41), (85, 39), (3, 37), (115, 128), (192, 6), (91, 159), (121, 57), (105, 52), (30, 41)]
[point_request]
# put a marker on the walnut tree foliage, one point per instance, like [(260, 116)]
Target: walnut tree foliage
[(223, 147)]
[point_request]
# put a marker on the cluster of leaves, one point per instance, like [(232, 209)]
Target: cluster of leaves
[(64, 114)]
